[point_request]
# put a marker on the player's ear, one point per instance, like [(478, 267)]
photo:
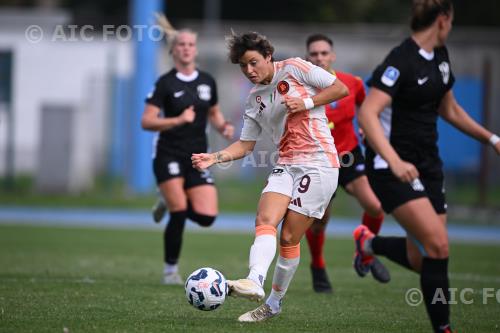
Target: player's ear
[(441, 20), (334, 56)]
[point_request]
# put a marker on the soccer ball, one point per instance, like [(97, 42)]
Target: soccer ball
[(206, 289)]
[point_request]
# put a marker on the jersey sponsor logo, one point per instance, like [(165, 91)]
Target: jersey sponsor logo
[(390, 76), (444, 68), (204, 92), (422, 80), (178, 94), (173, 168), (283, 87), (417, 185), (296, 202)]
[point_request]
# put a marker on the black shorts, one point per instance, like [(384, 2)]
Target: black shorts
[(166, 167), (392, 192), (352, 166)]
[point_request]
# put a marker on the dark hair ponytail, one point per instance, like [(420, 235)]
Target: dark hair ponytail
[(425, 12)]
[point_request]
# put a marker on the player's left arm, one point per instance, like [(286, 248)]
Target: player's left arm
[(216, 118), (452, 112)]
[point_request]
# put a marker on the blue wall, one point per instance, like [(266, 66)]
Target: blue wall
[(460, 152)]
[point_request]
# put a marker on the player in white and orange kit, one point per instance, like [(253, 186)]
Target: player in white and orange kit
[(287, 102)]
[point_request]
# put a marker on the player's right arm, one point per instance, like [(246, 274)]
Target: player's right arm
[(249, 134), (368, 118), (151, 121), (235, 151)]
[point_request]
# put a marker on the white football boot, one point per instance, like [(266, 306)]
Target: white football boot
[(246, 288)]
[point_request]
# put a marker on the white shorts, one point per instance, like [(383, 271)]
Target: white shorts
[(310, 187)]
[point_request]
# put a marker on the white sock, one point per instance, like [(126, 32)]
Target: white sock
[(171, 269), (261, 256), (283, 275)]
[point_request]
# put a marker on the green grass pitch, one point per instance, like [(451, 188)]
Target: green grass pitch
[(98, 280)]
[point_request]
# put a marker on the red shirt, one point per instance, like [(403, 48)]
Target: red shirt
[(341, 113)]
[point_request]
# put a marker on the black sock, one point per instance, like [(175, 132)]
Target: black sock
[(202, 220), (435, 288), (393, 248), (172, 237)]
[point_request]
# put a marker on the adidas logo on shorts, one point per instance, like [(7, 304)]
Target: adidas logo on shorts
[(417, 185)]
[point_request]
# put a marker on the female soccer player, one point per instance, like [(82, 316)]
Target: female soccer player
[(410, 89), (178, 109), (352, 176), (287, 103)]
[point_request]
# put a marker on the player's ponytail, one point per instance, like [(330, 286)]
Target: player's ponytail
[(170, 32)]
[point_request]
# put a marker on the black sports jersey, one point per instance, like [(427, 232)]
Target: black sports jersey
[(173, 93), (417, 81)]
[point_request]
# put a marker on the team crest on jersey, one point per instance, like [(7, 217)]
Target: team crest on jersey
[(334, 104), (204, 92), (444, 68), (258, 99), (283, 87), (390, 76)]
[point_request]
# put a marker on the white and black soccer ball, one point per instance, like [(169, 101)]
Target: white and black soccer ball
[(206, 289)]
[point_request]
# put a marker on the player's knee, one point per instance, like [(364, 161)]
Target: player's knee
[(287, 238), (375, 209), (263, 219), (437, 248), (175, 206)]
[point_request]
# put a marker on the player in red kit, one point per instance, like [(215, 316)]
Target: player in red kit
[(352, 175)]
